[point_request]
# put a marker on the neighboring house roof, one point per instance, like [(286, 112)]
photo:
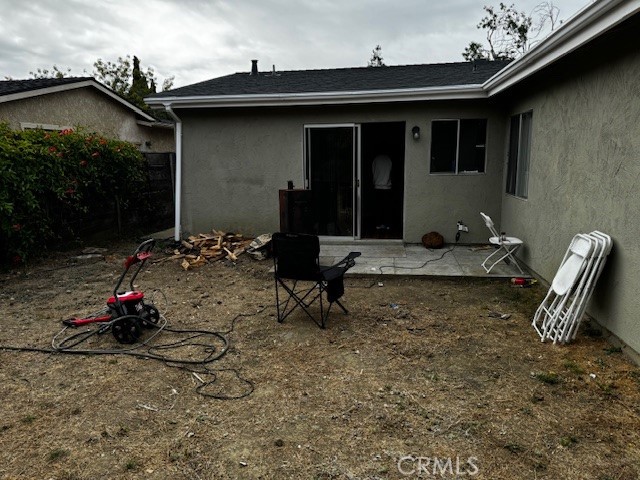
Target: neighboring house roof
[(448, 81), (8, 87), (11, 90)]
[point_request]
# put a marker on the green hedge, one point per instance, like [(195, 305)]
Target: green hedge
[(50, 181)]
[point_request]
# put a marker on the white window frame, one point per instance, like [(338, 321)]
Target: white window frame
[(43, 126)]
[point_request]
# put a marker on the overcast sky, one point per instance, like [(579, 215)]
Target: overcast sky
[(195, 40)]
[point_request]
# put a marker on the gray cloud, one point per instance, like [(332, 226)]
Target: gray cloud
[(200, 39)]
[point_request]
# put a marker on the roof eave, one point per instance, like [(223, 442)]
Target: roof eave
[(124, 102), (72, 86), (586, 25), (324, 98), (155, 124)]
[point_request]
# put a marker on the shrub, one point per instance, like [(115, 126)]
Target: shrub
[(53, 180)]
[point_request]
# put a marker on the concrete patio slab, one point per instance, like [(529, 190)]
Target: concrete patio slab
[(412, 259)]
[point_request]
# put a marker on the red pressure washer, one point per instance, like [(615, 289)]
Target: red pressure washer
[(126, 312)]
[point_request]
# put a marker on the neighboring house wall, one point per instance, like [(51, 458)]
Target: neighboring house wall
[(87, 108), (235, 161), (584, 171), (161, 139)]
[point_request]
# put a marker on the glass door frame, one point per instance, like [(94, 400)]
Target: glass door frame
[(356, 171)]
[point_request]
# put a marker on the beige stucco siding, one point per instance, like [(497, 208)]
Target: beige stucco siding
[(235, 162), (585, 171), (161, 139), (89, 109)]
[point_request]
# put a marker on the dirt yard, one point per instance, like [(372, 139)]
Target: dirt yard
[(417, 382)]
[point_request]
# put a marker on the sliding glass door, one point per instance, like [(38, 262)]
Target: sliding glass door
[(331, 153)]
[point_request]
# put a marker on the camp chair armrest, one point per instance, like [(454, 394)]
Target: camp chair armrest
[(348, 260), (338, 269)]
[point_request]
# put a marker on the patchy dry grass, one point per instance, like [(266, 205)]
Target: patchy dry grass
[(436, 377)]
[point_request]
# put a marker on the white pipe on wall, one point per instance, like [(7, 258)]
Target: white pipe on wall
[(178, 193)]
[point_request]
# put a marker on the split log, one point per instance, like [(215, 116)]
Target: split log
[(230, 255)]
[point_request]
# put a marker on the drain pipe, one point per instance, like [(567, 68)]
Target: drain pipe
[(178, 193)]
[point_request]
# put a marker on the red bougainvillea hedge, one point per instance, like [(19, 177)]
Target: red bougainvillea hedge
[(51, 181)]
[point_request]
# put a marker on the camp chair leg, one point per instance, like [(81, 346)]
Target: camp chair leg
[(283, 307), (346, 312), (323, 315), (280, 319)]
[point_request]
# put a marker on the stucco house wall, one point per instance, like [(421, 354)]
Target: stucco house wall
[(90, 109), (584, 171), (236, 160)]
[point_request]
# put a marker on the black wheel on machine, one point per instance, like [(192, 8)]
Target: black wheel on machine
[(126, 329), (150, 316)]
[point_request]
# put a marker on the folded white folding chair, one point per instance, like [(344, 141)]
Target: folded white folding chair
[(507, 246), (558, 316), (566, 289), (602, 250)]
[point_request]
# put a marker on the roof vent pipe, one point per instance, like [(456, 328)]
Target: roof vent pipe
[(254, 67)]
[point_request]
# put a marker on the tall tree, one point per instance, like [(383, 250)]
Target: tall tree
[(376, 59), (55, 72), (510, 33), (142, 83), (545, 20), (124, 76), (506, 33), (115, 75), (128, 79)]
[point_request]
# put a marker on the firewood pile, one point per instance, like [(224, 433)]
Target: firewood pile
[(204, 248)]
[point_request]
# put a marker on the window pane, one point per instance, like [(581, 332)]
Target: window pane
[(444, 145), (522, 182), (512, 166), (519, 154), (473, 137)]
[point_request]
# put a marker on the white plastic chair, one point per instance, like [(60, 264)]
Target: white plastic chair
[(507, 246)]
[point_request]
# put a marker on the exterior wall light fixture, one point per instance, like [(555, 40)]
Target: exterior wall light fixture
[(416, 132)]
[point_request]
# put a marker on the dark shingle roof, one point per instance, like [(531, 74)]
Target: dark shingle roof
[(343, 80), (8, 87)]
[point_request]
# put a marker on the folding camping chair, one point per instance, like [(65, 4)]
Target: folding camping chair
[(507, 246), (296, 259)]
